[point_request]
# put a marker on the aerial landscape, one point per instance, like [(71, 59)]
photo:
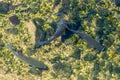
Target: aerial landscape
[(59, 39)]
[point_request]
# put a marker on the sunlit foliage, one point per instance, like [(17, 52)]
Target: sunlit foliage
[(68, 60)]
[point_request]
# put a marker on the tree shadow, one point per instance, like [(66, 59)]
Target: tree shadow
[(65, 9), (75, 22), (104, 27)]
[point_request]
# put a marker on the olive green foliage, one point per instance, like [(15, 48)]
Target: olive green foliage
[(68, 60)]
